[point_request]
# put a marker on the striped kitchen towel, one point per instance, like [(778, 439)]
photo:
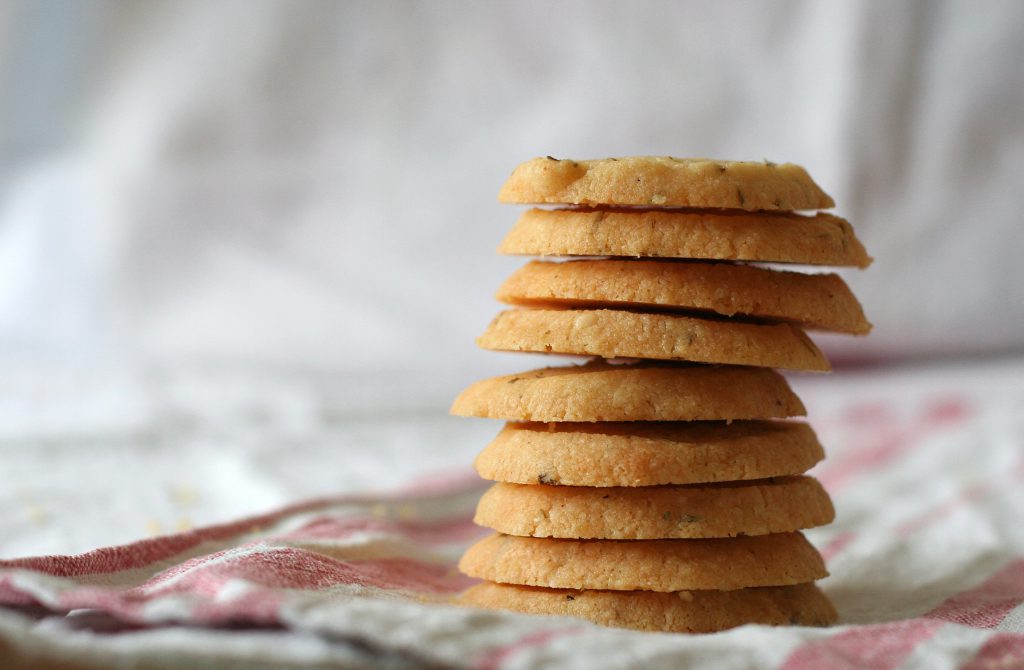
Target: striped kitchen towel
[(926, 556)]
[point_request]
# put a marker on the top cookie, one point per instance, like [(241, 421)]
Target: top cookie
[(664, 181)]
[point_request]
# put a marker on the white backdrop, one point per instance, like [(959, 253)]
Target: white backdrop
[(311, 185)]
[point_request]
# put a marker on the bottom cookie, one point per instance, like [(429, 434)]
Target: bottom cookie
[(678, 612)]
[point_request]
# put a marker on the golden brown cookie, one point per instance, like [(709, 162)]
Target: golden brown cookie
[(822, 239), (664, 181), (656, 512), (645, 391), (654, 565), (648, 454), (679, 612), (613, 333), (820, 301)]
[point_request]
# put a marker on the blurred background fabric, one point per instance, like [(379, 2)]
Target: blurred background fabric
[(312, 184), (219, 216)]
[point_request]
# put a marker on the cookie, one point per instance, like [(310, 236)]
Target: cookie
[(664, 181), (679, 612), (611, 333), (656, 512), (655, 565), (648, 454), (645, 391), (819, 301), (822, 239)]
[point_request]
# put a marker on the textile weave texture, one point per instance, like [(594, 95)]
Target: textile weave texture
[(926, 557)]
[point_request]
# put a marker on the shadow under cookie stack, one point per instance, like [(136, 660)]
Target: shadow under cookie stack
[(660, 486)]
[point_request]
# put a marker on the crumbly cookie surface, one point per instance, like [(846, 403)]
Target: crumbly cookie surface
[(664, 181), (822, 239), (645, 391), (655, 565), (679, 612), (656, 512), (612, 333), (819, 301), (648, 454)]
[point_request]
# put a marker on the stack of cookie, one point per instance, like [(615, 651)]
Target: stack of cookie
[(660, 485)]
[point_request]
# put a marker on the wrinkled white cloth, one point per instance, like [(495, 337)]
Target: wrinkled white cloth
[(313, 184)]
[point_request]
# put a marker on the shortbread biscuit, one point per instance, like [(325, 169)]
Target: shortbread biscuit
[(819, 301), (822, 239), (656, 512), (648, 454), (655, 565), (612, 333), (679, 612), (664, 181), (646, 391)]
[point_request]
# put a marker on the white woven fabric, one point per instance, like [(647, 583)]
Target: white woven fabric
[(926, 554)]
